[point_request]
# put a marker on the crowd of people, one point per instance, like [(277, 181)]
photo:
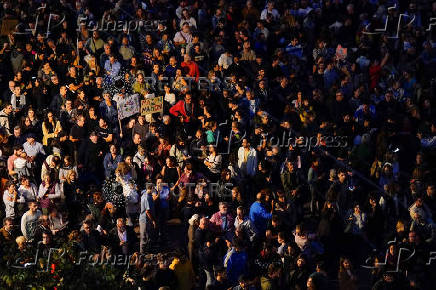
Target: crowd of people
[(295, 148)]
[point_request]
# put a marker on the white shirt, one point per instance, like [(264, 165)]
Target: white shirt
[(191, 21), (182, 36), (43, 190), (216, 163), (27, 194), (29, 222), (34, 149), (170, 98), (18, 102), (9, 205), (274, 13), (122, 235), (225, 61), (130, 193)]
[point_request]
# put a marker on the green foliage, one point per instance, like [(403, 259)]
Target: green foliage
[(65, 274)]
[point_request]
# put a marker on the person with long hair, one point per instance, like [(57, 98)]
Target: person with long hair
[(74, 196), (171, 173), (236, 199), (108, 218), (213, 163), (130, 193), (298, 276), (111, 160), (347, 277), (49, 193), (66, 168), (50, 128), (92, 68)]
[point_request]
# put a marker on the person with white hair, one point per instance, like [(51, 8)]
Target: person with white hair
[(193, 222)]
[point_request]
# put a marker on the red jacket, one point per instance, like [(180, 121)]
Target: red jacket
[(179, 109), (193, 69)]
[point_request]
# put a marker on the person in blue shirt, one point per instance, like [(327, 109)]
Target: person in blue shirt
[(259, 215), (108, 110), (236, 263), (330, 76), (163, 193), (147, 218), (112, 68), (111, 160)]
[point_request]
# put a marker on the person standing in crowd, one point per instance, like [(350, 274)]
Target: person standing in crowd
[(29, 220), (147, 219)]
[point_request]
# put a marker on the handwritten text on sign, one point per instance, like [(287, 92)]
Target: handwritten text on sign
[(128, 106), (152, 105)]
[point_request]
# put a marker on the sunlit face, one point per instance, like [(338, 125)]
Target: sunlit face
[(87, 228), (81, 121), (33, 207), (102, 123), (137, 139), (121, 224), (17, 91), (8, 109), (342, 176), (300, 262), (357, 209), (12, 188)]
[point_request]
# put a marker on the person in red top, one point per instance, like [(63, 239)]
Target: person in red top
[(184, 109), (193, 70)]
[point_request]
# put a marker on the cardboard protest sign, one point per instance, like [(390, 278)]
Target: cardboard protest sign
[(128, 106), (152, 105)]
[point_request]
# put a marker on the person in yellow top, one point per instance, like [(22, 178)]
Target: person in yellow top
[(182, 268), (50, 128), (140, 86)]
